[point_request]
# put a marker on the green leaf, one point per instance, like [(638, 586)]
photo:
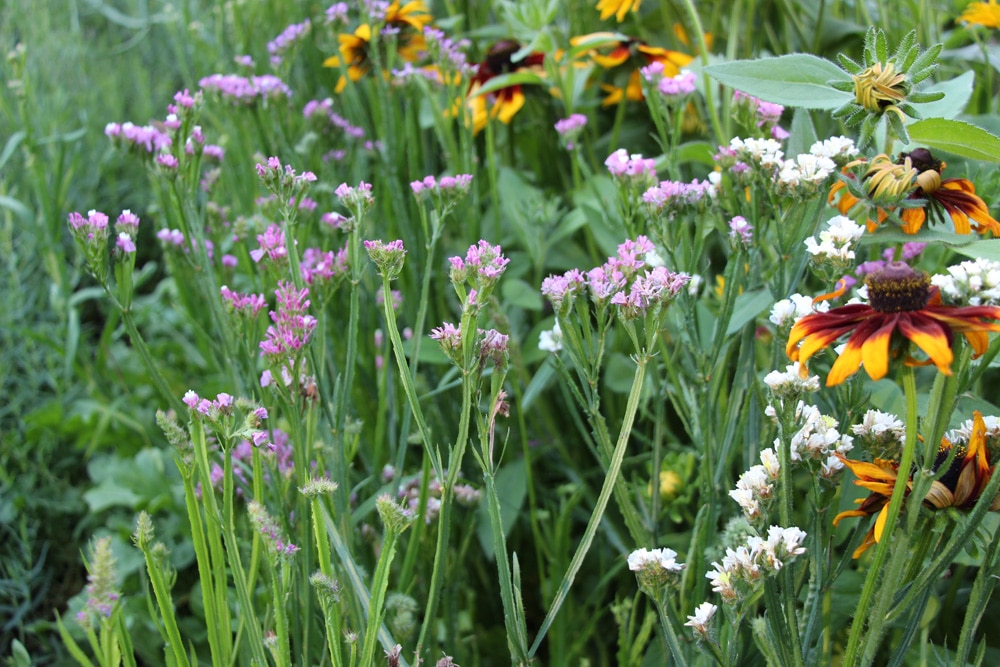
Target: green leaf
[(956, 137), (795, 80), (956, 95), (748, 306), (519, 293), (512, 488), (512, 79), (886, 235), (986, 248)]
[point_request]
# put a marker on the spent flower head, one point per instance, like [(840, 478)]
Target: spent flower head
[(388, 257), (102, 581), (655, 569)]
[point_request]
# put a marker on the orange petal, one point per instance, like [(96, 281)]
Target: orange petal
[(880, 522), (875, 351), (849, 361), (929, 335)]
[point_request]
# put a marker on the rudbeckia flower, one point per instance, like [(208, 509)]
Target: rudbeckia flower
[(903, 307), (407, 21), (915, 177), (507, 101), (617, 7), (635, 53), (986, 14), (958, 486)]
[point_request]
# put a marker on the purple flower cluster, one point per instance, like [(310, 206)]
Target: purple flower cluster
[(656, 287), (569, 129), (740, 231), (92, 229), (388, 257), (767, 114), (286, 40), (283, 462), (675, 196), (246, 305), (619, 282), (319, 267), (292, 326), (492, 344), (910, 250), (443, 193), (323, 109), (670, 87), (243, 90), (146, 137), (621, 165), (282, 180), (448, 54), (483, 262), (272, 245)]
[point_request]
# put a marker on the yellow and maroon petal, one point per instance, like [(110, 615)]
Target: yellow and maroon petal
[(930, 336), (875, 350)]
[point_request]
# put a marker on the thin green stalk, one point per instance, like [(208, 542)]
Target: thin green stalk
[(669, 636), (982, 589), (165, 603), (282, 652), (610, 480), (860, 627), (332, 615), (517, 638), (380, 585)]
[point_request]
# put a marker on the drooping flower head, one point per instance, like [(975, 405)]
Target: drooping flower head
[(903, 307), (911, 188), (959, 485)]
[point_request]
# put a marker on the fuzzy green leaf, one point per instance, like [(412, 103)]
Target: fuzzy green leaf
[(985, 248), (956, 95), (796, 80), (956, 137)]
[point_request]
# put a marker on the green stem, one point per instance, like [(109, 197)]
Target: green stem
[(669, 636), (859, 631), (166, 606), (380, 585), (610, 479)]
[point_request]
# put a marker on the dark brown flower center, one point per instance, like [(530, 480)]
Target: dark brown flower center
[(897, 287)]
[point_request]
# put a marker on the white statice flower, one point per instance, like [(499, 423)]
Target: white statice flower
[(551, 340), (665, 559), (698, 622), (742, 568), (836, 243), (881, 427), (804, 174), (785, 543), (838, 149), (769, 461), (722, 582), (766, 153), (789, 384), (748, 502), (818, 436), (832, 467), (786, 311), (655, 568), (972, 283)]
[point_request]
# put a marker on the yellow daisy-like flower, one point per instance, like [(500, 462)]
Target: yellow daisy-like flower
[(507, 101), (619, 8), (986, 14), (903, 307), (408, 20), (959, 486)]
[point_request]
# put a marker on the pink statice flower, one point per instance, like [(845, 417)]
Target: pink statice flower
[(569, 130), (245, 305), (271, 245), (292, 325)]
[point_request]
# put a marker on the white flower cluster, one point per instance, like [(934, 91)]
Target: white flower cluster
[(790, 384), (838, 149), (972, 283), (766, 153), (804, 175), (836, 243), (746, 565), (817, 439), (755, 487), (785, 312), (698, 622), (881, 429), (655, 568), (642, 559)]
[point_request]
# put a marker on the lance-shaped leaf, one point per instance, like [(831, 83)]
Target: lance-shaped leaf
[(796, 80)]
